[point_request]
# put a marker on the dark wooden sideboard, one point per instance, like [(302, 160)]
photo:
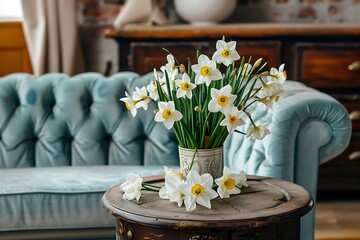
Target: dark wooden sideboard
[(326, 57)]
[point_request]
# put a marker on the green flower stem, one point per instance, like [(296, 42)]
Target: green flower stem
[(254, 101), (193, 159), (240, 132), (150, 187), (214, 134)]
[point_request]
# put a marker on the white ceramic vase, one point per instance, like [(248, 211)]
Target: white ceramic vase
[(204, 12), (206, 160)]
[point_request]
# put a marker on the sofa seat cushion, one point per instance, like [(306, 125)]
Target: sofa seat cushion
[(60, 197)]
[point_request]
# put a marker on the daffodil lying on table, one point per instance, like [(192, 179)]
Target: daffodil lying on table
[(190, 189)]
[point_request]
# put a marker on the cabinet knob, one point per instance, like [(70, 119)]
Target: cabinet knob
[(355, 66), (355, 155), (355, 115)]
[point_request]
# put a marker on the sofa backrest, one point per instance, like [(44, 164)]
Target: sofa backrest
[(57, 120)]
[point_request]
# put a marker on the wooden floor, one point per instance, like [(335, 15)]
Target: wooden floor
[(338, 220)]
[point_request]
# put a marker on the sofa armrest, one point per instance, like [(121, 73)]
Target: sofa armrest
[(306, 126)]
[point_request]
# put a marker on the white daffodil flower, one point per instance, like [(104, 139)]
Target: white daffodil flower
[(185, 87), (270, 89), (169, 191), (225, 52), (170, 67), (269, 101), (167, 114), (229, 183), (232, 119), (198, 189), (243, 180), (132, 187), (172, 183), (129, 103), (141, 98), (164, 86), (153, 91), (206, 70), (276, 75), (221, 99), (257, 132)]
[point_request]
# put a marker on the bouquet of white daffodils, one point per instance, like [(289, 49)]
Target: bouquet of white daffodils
[(204, 105), (189, 189)]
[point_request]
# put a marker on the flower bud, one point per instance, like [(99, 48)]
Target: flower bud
[(156, 75), (182, 68), (197, 109), (257, 63)]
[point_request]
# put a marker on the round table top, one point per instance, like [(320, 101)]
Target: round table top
[(264, 202)]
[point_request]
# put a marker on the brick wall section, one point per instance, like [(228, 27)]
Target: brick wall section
[(312, 11), (96, 15)]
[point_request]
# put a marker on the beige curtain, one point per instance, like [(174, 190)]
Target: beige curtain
[(52, 36)]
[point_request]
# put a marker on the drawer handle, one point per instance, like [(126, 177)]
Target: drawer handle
[(355, 66), (355, 115), (355, 155)]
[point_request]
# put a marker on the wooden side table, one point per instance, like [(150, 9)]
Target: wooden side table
[(268, 209)]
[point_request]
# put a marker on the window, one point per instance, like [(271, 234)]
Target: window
[(10, 10)]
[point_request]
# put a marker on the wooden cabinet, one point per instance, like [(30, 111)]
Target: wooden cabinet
[(145, 56), (326, 65), (326, 57), (335, 68)]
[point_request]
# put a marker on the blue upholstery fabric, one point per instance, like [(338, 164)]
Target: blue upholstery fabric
[(61, 197), (65, 140), (55, 120)]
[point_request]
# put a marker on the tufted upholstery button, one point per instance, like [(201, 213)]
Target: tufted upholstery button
[(108, 137), (51, 104), (90, 102)]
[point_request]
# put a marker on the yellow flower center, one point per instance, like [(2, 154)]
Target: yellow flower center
[(167, 114), (197, 190), (229, 184), (127, 106), (181, 175), (185, 86), (225, 53), (232, 120), (205, 71), (222, 100), (143, 96)]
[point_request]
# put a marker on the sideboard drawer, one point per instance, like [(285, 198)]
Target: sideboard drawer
[(354, 113), (145, 56), (343, 172), (328, 65)]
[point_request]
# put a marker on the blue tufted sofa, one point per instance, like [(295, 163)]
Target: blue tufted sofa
[(65, 140)]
